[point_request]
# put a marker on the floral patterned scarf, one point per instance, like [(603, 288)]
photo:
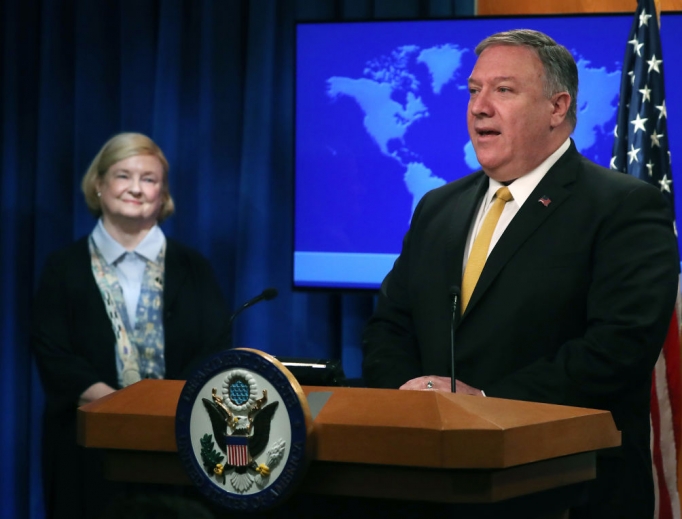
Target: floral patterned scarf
[(139, 349)]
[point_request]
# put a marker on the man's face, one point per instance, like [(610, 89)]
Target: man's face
[(509, 118)]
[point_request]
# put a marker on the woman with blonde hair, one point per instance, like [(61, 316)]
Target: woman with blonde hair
[(122, 304)]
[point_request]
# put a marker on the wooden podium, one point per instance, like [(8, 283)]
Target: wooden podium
[(420, 445)]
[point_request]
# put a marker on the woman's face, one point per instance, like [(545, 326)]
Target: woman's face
[(131, 190)]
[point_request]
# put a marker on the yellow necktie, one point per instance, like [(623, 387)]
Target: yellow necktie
[(479, 250)]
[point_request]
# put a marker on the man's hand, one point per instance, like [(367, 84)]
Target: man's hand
[(440, 384)]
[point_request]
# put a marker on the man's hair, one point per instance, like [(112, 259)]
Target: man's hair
[(561, 72), (116, 149)]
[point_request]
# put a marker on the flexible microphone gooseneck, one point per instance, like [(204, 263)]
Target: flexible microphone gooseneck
[(265, 295), (454, 297)]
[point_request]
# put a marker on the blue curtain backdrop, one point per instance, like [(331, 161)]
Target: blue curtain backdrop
[(212, 82)]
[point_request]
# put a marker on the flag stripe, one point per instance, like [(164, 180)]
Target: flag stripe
[(667, 382), (663, 508), (657, 497), (672, 355), (664, 454)]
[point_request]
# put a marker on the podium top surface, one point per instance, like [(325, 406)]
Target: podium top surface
[(377, 426)]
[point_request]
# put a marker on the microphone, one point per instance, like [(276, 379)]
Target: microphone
[(454, 297), (265, 295)]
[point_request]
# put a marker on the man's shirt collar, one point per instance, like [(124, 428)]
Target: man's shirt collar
[(523, 186)]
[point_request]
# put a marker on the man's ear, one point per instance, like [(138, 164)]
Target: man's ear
[(561, 102)]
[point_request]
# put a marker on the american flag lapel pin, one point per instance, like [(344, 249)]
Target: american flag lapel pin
[(544, 200)]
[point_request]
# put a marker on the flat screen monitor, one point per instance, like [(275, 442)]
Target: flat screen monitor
[(381, 120)]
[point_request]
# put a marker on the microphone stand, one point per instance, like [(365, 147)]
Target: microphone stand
[(454, 296)]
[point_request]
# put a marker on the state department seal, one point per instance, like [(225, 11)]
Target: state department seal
[(242, 427)]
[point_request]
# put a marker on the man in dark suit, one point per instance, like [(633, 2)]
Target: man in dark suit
[(578, 269)]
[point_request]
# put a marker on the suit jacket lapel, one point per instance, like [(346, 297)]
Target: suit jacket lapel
[(463, 211), (532, 215)]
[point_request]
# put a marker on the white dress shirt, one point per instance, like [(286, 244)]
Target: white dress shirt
[(520, 189)]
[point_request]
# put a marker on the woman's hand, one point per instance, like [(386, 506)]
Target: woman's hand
[(95, 392)]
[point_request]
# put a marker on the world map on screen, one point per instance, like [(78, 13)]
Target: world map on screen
[(406, 88)]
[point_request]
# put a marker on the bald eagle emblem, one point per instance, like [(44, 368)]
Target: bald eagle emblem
[(241, 428)]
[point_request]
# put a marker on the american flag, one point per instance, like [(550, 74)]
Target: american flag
[(641, 149)]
